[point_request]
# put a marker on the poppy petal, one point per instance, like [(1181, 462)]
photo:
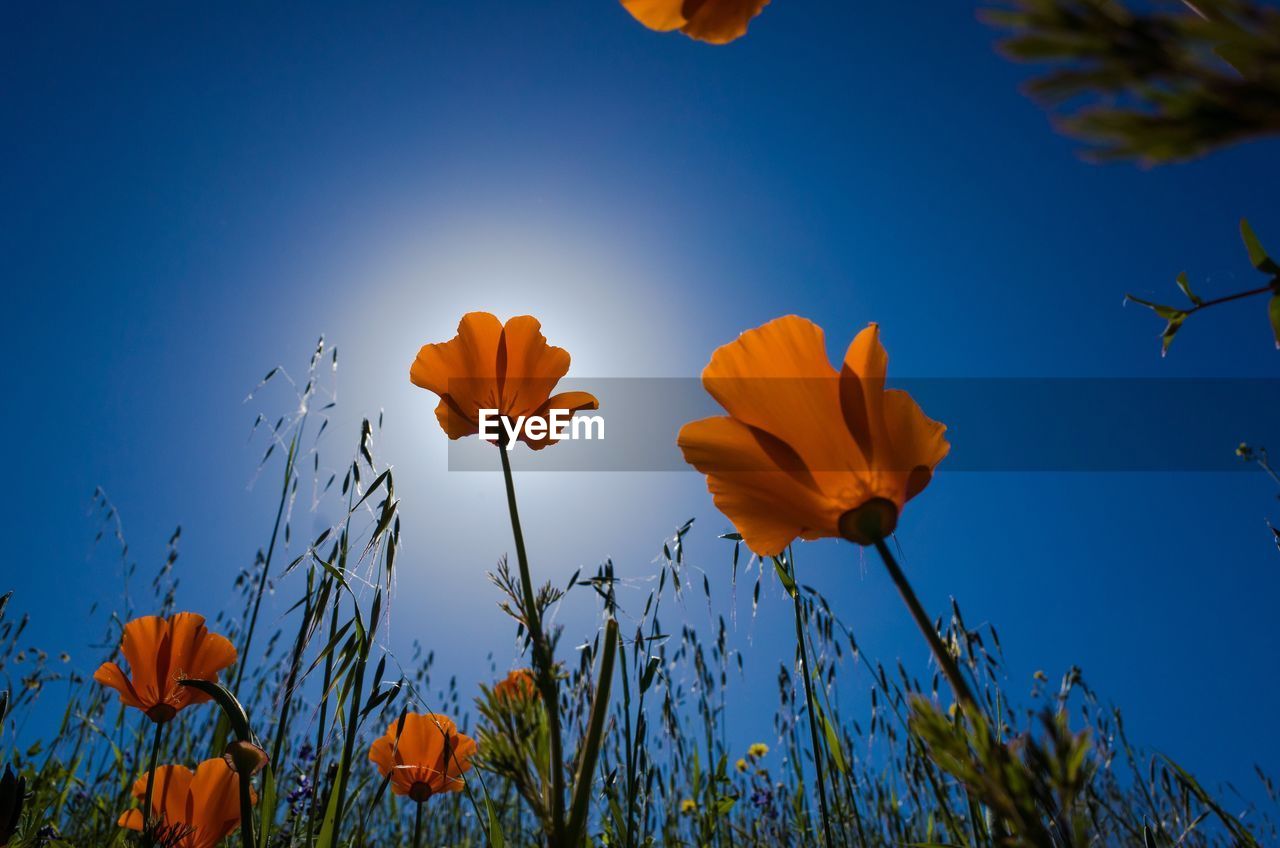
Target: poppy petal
[(463, 750), (141, 644), (453, 420), (918, 442), (572, 402), (721, 21), (465, 367), (194, 653), (528, 367), (380, 754), (169, 795), (131, 820), (862, 389), (110, 674), (215, 800), (777, 378), (769, 507), (659, 15)]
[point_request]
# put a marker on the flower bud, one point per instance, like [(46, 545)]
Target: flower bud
[(245, 758)]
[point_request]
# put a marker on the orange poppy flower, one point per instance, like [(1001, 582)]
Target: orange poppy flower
[(489, 365), (714, 21), (197, 810), (428, 758), (807, 451), (160, 652), (518, 685)]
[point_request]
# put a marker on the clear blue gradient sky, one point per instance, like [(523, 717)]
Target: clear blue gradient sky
[(192, 193)]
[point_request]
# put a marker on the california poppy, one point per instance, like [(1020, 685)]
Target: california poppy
[(160, 652), (518, 685), (714, 21), (425, 757), (194, 810), (489, 365), (806, 451)]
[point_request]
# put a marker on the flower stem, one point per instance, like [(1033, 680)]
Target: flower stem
[(417, 825), (544, 663), (246, 810), (151, 777), (803, 656), (945, 661)]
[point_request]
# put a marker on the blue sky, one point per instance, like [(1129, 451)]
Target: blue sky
[(193, 194)]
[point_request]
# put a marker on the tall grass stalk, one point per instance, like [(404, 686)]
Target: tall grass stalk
[(802, 663)]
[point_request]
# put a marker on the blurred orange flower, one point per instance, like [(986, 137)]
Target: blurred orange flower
[(518, 685), (195, 810), (159, 652), (428, 758), (714, 21), (807, 451), (488, 365)]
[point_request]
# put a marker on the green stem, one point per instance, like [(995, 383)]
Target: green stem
[(544, 663), (151, 777), (945, 661), (1228, 298), (246, 811), (417, 825), (803, 655), (591, 744)]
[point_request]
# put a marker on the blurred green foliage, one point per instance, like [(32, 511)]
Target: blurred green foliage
[(1156, 82)]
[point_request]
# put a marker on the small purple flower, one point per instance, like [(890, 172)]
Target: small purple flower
[(762, 800)]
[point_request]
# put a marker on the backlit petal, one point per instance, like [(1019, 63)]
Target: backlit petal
[(769, 507), (110, 674), (215, 802), (528, 367), (196, 654), (569, 401), (862, 389), (777, 378), (465, 367), (917, 441), (141, 645), (660, 15), (454, 421)]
